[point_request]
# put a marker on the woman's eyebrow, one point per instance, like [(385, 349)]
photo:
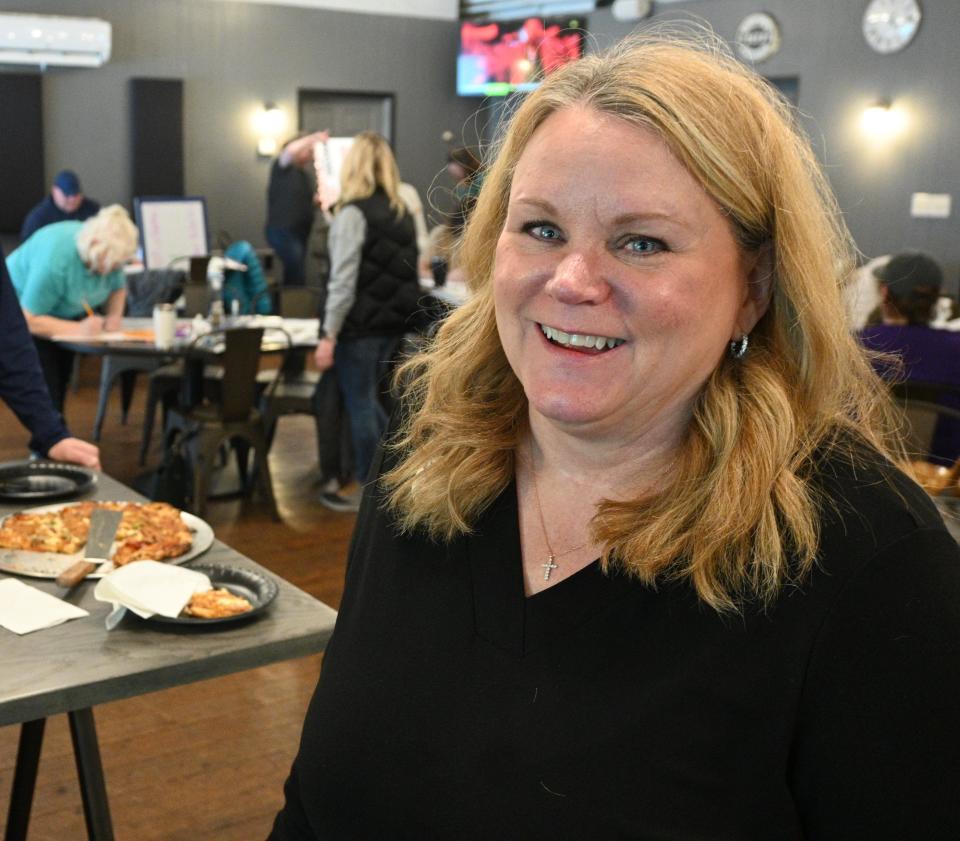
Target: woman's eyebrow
[(533, 201), (640, 216)]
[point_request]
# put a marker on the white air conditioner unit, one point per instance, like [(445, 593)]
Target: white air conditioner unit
[(51, 40)]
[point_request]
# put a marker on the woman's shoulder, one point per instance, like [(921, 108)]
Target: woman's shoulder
[(868, 506)]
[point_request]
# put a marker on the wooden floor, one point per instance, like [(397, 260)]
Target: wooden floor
[(206, 760)]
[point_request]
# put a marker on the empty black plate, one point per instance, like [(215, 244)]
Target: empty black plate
[(43, 480)]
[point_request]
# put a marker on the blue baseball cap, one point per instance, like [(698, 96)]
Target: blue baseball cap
[(68, 182)]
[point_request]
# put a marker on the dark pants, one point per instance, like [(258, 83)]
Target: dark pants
[(57, 365), (363, 366), (334, 441), (291, 250)]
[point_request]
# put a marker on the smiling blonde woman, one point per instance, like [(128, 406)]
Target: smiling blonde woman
[(637, 564)]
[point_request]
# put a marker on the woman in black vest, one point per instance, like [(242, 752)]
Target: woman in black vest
[(373, 287)]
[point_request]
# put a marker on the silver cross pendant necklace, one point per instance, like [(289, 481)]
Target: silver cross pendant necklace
[(550, 564)]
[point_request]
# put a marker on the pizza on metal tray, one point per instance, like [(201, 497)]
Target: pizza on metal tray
[(148, 531)]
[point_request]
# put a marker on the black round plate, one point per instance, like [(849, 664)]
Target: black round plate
[(36, 480), (257, 589)]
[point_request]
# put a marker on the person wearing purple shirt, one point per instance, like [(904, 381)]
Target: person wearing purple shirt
[(909, 287)]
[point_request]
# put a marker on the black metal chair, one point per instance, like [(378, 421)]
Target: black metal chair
[(924, 405), (300, 302), (210, 415), (923, 409)]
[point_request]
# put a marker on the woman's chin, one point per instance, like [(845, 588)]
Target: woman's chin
[(567, 410)]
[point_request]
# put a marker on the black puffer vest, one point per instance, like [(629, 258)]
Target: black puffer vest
[(387, 285)]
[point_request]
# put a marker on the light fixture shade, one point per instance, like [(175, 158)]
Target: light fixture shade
[(267, 147), (273, 119), (269, 123), (882, 120)]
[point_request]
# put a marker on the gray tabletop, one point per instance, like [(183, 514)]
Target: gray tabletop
[(80, 664), (302, 333)]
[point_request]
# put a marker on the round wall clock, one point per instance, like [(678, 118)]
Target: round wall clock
[(889, 25), (758, 37)]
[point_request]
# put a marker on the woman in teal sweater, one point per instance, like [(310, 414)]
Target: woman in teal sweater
[(61, 274)]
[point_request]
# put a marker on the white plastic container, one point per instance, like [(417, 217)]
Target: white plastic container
[(164, 326)]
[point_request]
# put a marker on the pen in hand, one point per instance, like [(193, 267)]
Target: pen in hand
[(92, 324)]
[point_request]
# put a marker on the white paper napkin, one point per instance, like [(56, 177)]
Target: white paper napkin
[(149, 587), (24, 608)]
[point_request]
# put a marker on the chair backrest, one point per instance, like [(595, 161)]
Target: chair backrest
[(196, 299), (198, 270), (240, 360), (299, 302), (925, 405), (150, 287)]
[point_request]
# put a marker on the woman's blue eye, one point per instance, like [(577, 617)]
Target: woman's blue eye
[(542, 230), (643, 245)]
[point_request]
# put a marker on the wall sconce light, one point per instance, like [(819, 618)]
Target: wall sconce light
[(269, 122), (881, 120)]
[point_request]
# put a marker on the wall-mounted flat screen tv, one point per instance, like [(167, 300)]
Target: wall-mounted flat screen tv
[(499, 57)]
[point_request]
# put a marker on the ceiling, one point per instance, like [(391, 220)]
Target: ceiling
[(447, 9), (440, 9)]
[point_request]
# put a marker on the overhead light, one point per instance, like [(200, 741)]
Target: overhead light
[(269, 123), (881, 120)]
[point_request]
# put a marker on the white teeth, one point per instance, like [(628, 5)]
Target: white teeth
[(579, 339)]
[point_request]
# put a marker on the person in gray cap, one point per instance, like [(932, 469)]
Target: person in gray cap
[(909, 288), (65, 201)]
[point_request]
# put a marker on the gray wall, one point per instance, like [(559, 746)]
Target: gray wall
[(233, 57), (839, 75)]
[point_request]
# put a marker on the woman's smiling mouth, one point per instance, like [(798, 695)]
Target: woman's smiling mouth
[(579, 341)]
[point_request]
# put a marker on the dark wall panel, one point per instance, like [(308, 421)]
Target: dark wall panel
[(22, 182), (156, 137)]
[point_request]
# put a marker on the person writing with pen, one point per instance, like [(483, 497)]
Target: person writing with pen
[(61, 274)]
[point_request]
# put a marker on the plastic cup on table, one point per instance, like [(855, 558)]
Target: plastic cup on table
[(164, 326)]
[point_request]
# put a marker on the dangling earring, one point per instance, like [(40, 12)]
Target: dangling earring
[(738, 347)]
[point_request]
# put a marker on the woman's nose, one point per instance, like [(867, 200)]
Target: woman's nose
[(578, 279)]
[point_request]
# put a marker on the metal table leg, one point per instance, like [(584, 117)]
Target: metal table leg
[(24, 779), (93, 787)]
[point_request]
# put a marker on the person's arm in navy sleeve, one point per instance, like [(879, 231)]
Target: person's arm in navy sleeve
[(23, 389)]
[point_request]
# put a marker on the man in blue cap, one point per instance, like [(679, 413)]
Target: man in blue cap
[(65, 201)]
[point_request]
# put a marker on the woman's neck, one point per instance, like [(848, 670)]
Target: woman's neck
[(603, 466)]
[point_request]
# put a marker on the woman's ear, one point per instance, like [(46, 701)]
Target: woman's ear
[(759, 289)]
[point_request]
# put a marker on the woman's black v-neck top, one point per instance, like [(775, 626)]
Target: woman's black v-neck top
[(450, 706)]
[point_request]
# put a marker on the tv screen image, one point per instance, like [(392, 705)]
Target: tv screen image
[(498, 57)]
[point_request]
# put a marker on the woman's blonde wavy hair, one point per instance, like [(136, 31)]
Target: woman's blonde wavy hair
[(738, 517), (368, 165), (108, 239)]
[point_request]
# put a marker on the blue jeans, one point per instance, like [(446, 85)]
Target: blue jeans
[(362, 366), (291, 250)]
